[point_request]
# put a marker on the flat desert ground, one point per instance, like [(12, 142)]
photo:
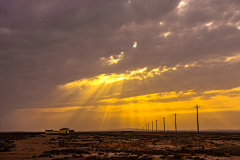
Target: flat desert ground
[(117, 145)]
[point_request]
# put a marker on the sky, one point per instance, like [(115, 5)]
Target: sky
[(93, 65)]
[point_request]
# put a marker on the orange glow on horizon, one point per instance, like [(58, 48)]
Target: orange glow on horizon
[(102, 99)]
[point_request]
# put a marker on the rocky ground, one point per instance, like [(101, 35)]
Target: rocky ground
[(117, 145)]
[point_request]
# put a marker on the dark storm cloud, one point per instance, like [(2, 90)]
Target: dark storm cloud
[(54, 42), (49, 43)]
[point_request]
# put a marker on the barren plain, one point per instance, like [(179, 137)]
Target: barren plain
[(117, 145)]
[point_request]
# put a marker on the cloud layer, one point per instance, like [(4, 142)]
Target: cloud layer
[(91, 54)]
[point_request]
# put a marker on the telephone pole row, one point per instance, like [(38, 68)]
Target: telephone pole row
[(147, 129)]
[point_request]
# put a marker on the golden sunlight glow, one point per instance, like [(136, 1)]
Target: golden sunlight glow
[(229, 59), (223, 91), (111, 60), (134, 44), (168, 102), (193, 64), (233, 58), (103, 78), (137, 110), (111, 78), (140, 73), (155, 97), (209, 24), (104, 95), (62, 109), (166, 34), (181, 4)]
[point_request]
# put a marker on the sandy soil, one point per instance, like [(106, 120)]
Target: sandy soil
[(115, 145), (28, 148)]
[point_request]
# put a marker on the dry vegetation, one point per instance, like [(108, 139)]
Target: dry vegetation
[(116, 145)]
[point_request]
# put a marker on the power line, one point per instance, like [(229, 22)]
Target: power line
[(205, 104), (217, 101)]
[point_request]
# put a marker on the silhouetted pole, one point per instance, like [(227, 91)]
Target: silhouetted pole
[(164, 124), (152, 126), (197, 119), (148, 127), (156, 125), (175, 122)]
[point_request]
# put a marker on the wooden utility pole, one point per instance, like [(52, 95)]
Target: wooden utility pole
[(164, 123), (175, 122), (156, 125), (197, 119), (152, 126)]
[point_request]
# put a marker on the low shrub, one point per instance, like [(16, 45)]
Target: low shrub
[(6, 147)]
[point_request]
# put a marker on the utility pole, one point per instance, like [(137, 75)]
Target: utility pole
[(152, 126), (156, 125), (148, 127), (164, 124), (197, 119), (175, 122)]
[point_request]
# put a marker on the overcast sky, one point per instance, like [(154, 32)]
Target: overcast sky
[(112, 64)]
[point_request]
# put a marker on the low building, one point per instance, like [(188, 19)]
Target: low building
[(62, 130), (51, 131)]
